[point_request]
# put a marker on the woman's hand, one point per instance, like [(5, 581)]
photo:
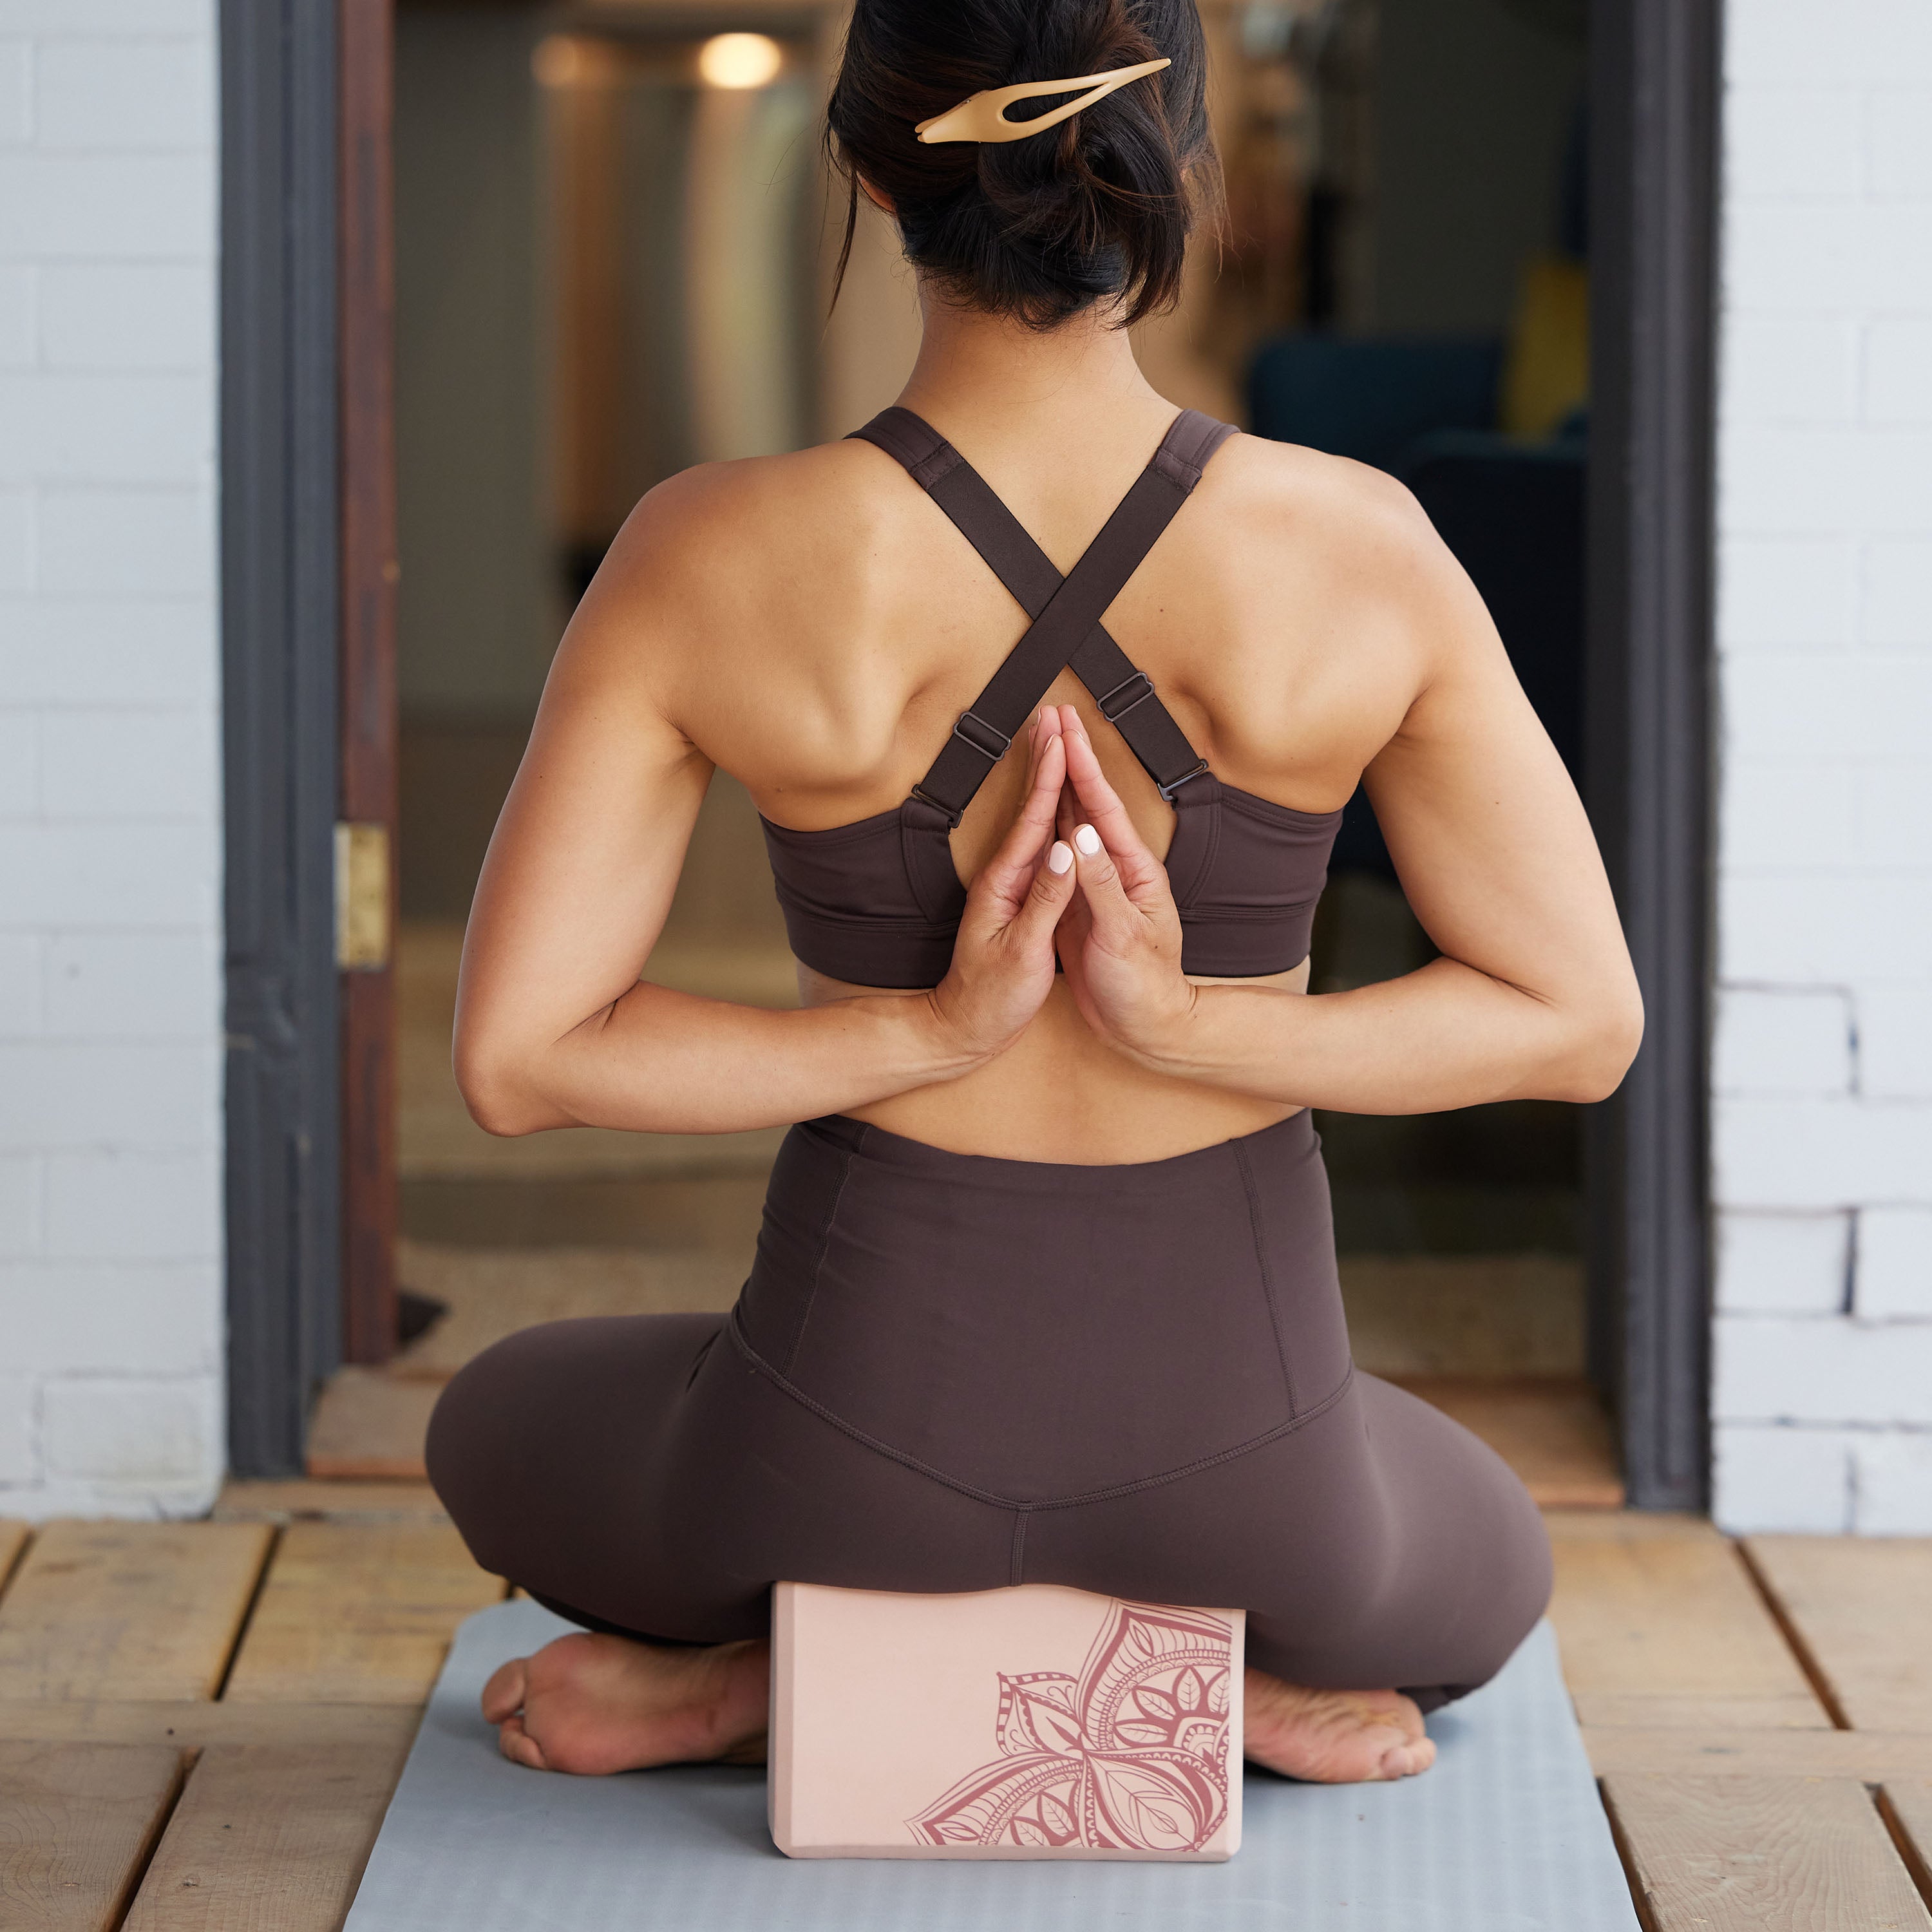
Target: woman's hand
[(1120, 942), (1002, 966)]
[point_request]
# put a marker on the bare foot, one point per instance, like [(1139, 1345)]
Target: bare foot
[(1333, 1737), (593, 1704)]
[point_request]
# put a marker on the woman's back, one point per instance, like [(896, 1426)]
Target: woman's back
[(814, 624), (830, 624)]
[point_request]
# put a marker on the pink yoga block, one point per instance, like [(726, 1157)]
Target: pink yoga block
[(1033, 1723)]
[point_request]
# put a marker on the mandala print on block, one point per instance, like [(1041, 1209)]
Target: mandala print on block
[(1130, 1756)]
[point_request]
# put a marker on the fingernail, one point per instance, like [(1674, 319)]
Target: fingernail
[(1060, 858), (1087, 839)]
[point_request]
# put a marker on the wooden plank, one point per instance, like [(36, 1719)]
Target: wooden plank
[(1672, 1615), (191, 1725), (367, 1424), (1906, 1805), (267, 1839), (1762, 1855), (1860, 1607), (1872, 1756), (1599, 1596), (1590, 1577), (328, 1502), (128, 1609), (1627, 1525), (13, 1540), (1596, 1590), (77, 1824), (1551, 1430), (360, 1612), (1612, 1709)]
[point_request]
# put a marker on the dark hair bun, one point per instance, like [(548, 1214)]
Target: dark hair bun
[(1097, 209)]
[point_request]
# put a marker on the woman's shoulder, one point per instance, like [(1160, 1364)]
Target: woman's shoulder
[(1352, 541), (1348, 512), (740, 507), (733, 586), (1331, 605), (707, 549)]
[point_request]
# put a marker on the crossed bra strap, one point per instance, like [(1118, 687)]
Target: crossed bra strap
[(1066, 630)]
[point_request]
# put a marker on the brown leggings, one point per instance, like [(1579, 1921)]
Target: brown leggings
[(948, 1372)]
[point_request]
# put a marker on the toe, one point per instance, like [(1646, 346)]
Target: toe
[(1405, 1760), (503, 1695), (519, 1747)]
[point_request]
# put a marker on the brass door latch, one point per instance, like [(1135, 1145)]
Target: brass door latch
[(361, 896)]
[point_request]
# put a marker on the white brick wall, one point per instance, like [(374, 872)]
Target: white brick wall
[(110, 1183), (1821, 1161)]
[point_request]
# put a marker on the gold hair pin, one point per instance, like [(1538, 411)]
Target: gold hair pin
[(983, 116)]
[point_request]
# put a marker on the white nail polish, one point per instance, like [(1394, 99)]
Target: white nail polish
[(1060, 858), (1087, 839)]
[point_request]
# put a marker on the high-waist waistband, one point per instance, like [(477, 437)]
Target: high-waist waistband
[(1031, 1331), (1290, 1138)]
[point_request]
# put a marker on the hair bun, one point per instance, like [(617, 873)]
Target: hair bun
[(1098, 208)]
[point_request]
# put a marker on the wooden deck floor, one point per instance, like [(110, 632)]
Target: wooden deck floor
[(200, 1723)]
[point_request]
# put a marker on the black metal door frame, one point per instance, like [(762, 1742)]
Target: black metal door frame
[(1654, 87), (1655, 76), (280, 624)]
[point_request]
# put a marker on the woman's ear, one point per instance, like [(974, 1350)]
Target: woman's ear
[(876, 198)]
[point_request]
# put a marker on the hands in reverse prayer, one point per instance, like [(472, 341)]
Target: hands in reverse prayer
[(1074, 875)]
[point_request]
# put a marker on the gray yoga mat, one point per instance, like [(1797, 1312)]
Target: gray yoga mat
[(1505, 1834)]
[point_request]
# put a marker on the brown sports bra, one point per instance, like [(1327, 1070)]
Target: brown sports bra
[(877, 903)]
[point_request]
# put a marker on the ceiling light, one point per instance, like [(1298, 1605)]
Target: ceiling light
[(740, 60)]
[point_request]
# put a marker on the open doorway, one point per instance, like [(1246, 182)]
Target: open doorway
[(1406, 183), (606, 241)]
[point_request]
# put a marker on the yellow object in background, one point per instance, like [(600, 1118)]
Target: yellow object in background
[(1547, 365)]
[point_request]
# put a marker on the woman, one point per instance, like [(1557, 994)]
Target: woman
[(1045, 1290)]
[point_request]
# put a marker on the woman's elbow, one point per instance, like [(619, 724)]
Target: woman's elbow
[(495, 1090), (1607, 1036)]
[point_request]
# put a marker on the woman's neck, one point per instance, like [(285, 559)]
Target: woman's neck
[(1008, 380)]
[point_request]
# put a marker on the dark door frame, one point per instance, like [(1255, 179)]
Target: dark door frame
[(1654, 89), (280, 627), (1655, 83)]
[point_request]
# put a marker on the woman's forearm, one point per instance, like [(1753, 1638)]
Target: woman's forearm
[(658, 1061), (1446, 1036)]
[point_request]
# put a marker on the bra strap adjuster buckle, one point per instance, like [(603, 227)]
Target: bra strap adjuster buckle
[(1135, 689), (947, 812), (1173, 785), (992, 746)]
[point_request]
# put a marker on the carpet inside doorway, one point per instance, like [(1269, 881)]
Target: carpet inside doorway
[(1506, 1833)]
